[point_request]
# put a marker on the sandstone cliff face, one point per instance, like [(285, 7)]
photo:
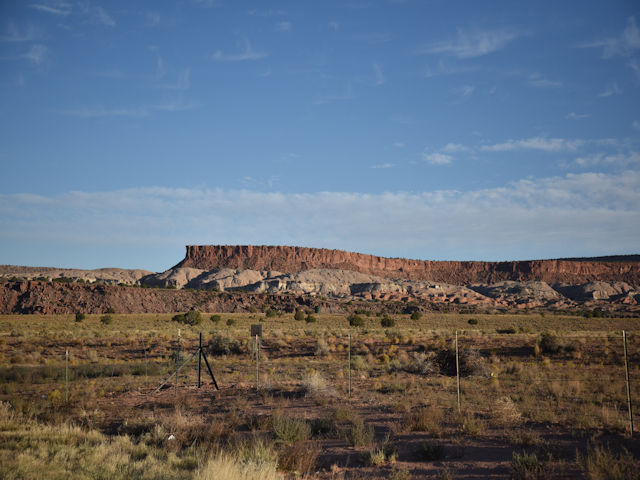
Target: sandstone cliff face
[(296, 259)]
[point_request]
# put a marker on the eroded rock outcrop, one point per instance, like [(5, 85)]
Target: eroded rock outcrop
[(295, 259)]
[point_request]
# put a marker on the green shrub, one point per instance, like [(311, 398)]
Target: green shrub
[(299, 315), (215, 318), (388, 322), (549, 343), (230, 322), (110, 310), (271, 313), (360, 435), (416, 315), (192, 317), (290, 429), (508, 330), (355, 320), (473, 321), (106, 319), (80, 317), (221, 345), (310, 319)]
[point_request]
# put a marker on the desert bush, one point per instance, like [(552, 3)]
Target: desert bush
[(289, 429), (271, 313), (387, 322), (110, 310), (222, 345), (355, 320), (299, 457), (426, 420), (399, 474), (215, 318), (508, 330), (230, 322), (192, 317), (310, 319), (359, 434), (549, 343), (505, 412), (470, 361), (359, 363), (421, 363), (299, 315), (106, 319), (416, 315), (601, 463), (315, 386), (80, 317), (322, 348), (527, 466), (473, 321)]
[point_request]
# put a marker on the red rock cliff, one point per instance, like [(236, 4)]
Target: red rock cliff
[(295, 259)]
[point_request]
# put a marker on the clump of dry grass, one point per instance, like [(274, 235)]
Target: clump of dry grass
[(426, 420), (601, 463), (505, 413), (299, 457)]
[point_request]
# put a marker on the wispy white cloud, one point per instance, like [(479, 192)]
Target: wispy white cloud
[(577, 116), (437, 158), (283, 26), (247, 53), (535, 143), (472, 44), (398, 144), (377, 70), (101, 16), (619, 160), (334, 25), (537, 80), (622, 45), (463, 92), (534, 218), (635, 125), (383, 165), (455, 148), (36, 54), (58, 8), (611, 89)]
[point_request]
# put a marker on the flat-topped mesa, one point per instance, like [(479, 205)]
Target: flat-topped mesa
[(295, 259)]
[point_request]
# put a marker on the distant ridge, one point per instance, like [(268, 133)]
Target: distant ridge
[(289, 259)]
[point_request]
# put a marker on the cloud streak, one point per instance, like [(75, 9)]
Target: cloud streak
[(472, 44), (524, 219), (246, 54)]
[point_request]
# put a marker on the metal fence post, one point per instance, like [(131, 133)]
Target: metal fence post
[(458, 370)]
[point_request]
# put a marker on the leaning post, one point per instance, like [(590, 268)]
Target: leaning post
[(626, 367)]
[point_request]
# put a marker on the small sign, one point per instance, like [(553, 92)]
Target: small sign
[(256, 330)]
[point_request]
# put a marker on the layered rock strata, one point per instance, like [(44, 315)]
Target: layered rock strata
[(296, 259)]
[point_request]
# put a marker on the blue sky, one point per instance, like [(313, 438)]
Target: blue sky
[(427, 129)]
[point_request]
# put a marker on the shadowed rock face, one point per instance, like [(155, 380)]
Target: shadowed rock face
[(296, 259)]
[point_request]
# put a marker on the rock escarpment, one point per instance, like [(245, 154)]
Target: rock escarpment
[(296, 259)]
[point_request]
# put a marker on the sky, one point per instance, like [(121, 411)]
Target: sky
[(437, 130)]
